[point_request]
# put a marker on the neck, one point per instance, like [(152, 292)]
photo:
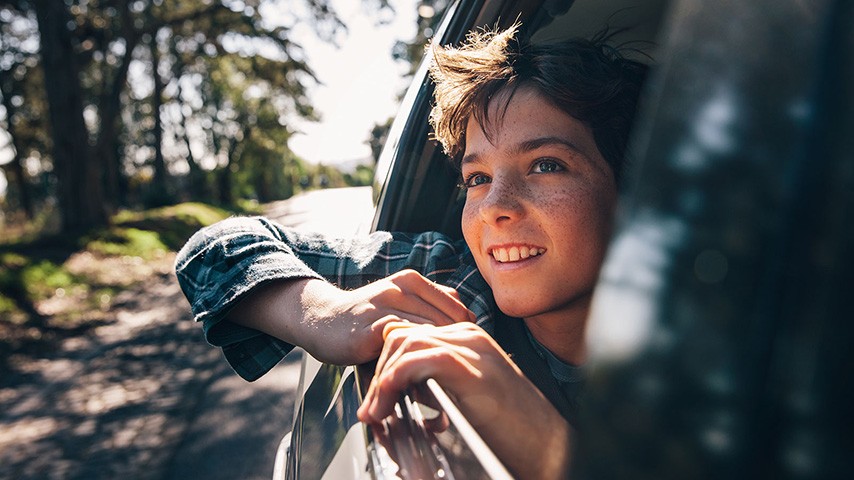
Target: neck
[(562, 331)]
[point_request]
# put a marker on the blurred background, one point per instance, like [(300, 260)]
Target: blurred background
[(125, 126)]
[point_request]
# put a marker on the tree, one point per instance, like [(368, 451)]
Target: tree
[(377, 138), (430, 12), (79, 194), (106, 125)]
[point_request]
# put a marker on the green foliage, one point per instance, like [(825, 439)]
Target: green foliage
[(377, 137), (42, 278), (156, 230), (25, 280), (363, 176), (35, 270), (7, 306), (126, 241), (430, 13), (228, 79)]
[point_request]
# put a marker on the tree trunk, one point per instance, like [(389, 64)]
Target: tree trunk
[(198, 183), (198, 188), (107, 146), (226, 174), (160, 187), (79, 192)]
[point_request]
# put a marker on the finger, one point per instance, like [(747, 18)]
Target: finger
[(471, 317), (445, 364), (437, 424), (434, 417), (413, 307), (454, 293), (390, 327), (448, 290), (393, 321), (399, 337), (384, 327), (404, 302), (435, 295), (414, 368)]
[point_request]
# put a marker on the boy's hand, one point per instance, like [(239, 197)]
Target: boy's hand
[(513, 417), (346, 327)]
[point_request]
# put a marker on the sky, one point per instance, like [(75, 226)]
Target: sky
[(361, 82)]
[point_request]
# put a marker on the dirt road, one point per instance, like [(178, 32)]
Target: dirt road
[(144, 397)]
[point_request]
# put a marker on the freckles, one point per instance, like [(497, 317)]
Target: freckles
[(557, 204), (578, 212), (468, 222)]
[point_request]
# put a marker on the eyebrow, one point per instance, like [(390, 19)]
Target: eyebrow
[(533, 144)]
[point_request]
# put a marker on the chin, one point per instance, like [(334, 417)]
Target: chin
[(513, 309), (565, 303)]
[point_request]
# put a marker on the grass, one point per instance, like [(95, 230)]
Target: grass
[(56, 281)]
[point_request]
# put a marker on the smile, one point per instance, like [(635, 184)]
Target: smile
[(515, 253)]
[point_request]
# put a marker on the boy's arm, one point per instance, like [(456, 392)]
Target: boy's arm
[(345, 327), (239, 272)]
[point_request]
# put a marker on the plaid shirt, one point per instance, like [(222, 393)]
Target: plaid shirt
[(222, 263)]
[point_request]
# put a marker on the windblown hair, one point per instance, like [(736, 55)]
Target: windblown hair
[(586, 79)]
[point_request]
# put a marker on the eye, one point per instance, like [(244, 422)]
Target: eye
[(475, 179), (546, 165)]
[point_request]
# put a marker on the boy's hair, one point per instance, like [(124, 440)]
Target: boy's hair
[(586, 79)]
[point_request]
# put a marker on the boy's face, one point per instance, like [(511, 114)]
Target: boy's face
[(539, 207)]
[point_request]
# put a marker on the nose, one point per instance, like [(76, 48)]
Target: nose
[(503, 202)]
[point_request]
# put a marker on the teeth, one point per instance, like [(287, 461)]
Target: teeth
[(514, 254)]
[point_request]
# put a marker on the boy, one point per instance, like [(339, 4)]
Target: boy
[(538, 133)]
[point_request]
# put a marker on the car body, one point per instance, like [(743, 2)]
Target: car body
[(721, 333)]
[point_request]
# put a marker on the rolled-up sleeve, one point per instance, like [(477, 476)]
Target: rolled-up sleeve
[(222, 263), (218, 266)]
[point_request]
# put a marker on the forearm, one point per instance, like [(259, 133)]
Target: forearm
[(272, 308), (295, 311), (243, 276)]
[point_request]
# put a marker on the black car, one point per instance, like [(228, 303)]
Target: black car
[(721, 333)]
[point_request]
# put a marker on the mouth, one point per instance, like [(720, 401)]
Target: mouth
[(515, 253)]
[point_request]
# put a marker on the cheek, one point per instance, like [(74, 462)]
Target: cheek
[(467, 221), (581, 213), (471, 227)]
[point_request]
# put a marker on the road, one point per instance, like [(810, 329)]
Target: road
[(144, 397), (238, 425)]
